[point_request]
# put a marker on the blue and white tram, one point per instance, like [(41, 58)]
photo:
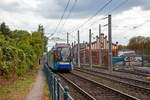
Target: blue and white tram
[(59, 57)]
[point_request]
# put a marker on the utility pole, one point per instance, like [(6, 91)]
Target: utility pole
[(78, 50), (142, 54), (72, 54), (100, 61), (90, 51), (42, 38), (75, 50), (84, 55), (67, 37), (110, 44)]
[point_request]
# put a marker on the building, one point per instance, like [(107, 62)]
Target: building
[(84, 51)]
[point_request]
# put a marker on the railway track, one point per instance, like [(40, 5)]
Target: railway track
[(96, 90), (76, 92), (122, 71), (137, 88), (131, 72), (126, 71), (145, 84)]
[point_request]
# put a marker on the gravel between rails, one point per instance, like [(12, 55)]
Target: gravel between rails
[(144, 84), (129, 90), (97, 91), (123, 74), (73, 91)]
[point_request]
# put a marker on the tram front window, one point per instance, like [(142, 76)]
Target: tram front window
[(64, 54)]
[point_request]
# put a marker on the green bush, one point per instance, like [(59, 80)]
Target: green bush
[(20, 51), (9, 55), (14, 59)]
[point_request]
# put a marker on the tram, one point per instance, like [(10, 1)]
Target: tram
[(59, 57)]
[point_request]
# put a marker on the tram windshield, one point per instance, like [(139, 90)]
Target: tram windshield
[(64, 54)]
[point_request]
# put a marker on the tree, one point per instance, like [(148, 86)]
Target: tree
[(140, 43), (40, 27), (36, 43), (136, 42), (4, 29), (120, 47), (21, 36), (20, 51)]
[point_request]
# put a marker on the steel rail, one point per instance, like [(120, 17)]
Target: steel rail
[(131, 79), (144, 89), (87, 95), (119, 93), (124, 71)]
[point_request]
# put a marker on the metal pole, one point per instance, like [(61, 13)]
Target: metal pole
[(42, 38), (142, 54), (67, 37), (90, 51), (47, 58), (110, 44), (75, 53), (84, 58), (54, 87), (66, 97), (100, 61), (58, 90), (78, 50)]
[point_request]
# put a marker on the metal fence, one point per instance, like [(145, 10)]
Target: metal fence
[(57, 91)]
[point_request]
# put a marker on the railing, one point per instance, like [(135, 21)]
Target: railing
[(57, 91)]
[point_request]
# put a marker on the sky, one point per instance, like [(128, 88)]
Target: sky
[(129, 17)]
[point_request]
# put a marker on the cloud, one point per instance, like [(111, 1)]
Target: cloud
[(129, 20), (123, 26), (130, 23), (53, 9), (8, 6)]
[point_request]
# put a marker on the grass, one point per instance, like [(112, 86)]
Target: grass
[(18, 89)]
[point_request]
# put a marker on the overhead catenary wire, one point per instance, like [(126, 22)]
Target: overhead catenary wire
[(118, 6), (112, 10), (91, 17), (69, 14), (61, 18)]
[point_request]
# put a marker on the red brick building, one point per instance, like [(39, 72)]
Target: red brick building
[(84, 51)]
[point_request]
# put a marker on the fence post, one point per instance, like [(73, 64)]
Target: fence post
[(58, 90), (50, 83), (54, 87), (66, 93)]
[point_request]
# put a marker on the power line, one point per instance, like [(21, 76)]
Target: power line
[(61, 18), (73, 37), (91, 17), (121, 4), (97, 20), (70, 11)]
